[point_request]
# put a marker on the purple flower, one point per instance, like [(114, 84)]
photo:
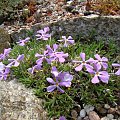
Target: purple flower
[(118, 66), (5, 54), (23, 42), (82, 63), (98, 75), (42, 57), (67, 41), (4, 73), (43, 34), (101, 62), (15, 62), (35, 68), (54, 55), (62, 118), (61, 79), (2, 66)]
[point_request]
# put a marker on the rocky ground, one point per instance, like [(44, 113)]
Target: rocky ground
[(44, 11), (18, 102)]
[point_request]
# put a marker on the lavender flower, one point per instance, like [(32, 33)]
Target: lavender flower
[(61, 79), (83, 63), (23, 42), (35, 68), (43, 34), (118, 66), (98, 75), (42, 57), (5, 54), (15, 62), (62, 118), (4, 73), (2, 66), (101, 62), (54, 55), (67, 41)]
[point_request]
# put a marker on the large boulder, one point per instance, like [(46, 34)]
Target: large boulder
[(19, 103), (4, 40)]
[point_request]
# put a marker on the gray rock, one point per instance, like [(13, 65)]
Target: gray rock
[(4, 40), (100, 26), (82, 113), (110, 116), (106, 106), (89, 108), (19, 103)]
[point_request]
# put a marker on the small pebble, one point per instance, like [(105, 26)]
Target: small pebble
[(79, 118), (88, 108), (110, 116), (103, 111), (106, 106), (105, 118), (111, 110), (86, 118), (82, 113), (74, 114), (93, 116)]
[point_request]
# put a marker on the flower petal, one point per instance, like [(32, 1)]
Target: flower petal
[(118, 72), (20, 57), (51, 88), (50, 80), (79, 68), (82, 55), (104, 78), (97, 57), (95, 79), (62, 91)]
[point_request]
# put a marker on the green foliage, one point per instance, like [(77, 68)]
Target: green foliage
[(81, 90)]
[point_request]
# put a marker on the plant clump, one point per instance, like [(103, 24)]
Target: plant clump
[(64, 72)]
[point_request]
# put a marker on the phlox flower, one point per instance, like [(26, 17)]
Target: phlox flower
[(35, 68), (2, 66), (15, 62), (118, 66), (82, 63), (4, 73), (61, 79), (67, 41), (43, 34), (98, 74), (54, 55), (23, 42), (5, 54), (62, 118), (101, 62), (42, 57)]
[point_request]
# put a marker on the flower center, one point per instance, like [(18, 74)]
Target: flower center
[(57, 83), (97, 73), (83, 62)]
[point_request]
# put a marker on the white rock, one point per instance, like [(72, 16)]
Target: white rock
[(106, 106), (105, 118), (82, 113), (110, 116)]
